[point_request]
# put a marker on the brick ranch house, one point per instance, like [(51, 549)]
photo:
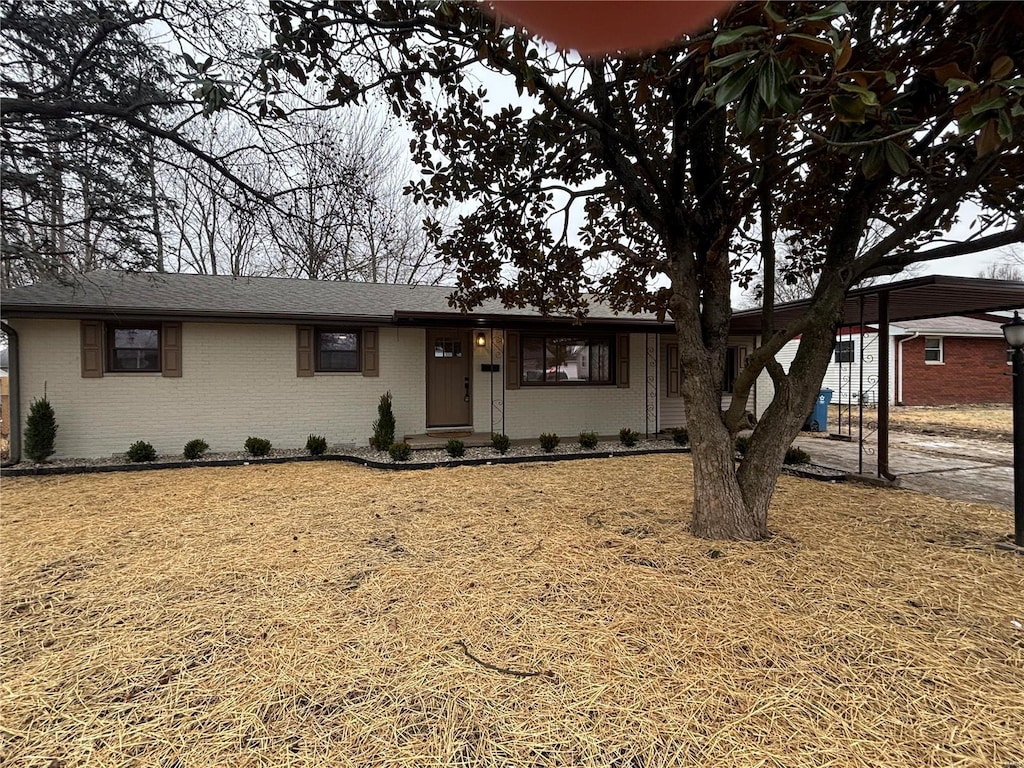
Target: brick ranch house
[(171, 357)]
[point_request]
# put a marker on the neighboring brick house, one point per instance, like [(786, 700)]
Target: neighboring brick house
[(950, 361), (171, 357)]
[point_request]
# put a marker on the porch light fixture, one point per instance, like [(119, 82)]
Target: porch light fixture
[(1014, 333), (481, 337)]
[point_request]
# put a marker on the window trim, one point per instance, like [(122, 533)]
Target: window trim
[(941, 349), (610, 338), (357, 332), (110, 357)]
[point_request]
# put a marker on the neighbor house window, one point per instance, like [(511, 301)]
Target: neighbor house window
[(844, 352), (933, 349), (732, 368), (567, 360), (337, 350), (134, 349)]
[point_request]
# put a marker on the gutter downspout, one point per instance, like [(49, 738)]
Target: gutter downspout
[(14, 392), (899, 373)]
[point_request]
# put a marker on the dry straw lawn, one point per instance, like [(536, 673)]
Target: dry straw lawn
[(532, 615)]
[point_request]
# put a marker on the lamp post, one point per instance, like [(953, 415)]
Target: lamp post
[(1014, 333)]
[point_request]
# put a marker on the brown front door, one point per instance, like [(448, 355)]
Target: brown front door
[(449, 369)]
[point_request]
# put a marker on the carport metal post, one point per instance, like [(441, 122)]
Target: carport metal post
[(1014, 333), (883, 389)]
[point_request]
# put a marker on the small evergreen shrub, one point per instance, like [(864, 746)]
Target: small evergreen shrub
[(316, 445), (549, 441), (628, 437), (257, 446), (500, 442), (194, 449), (797, 456), (400, 451), (40, 431), (456, 448), (680, 436), (140, 451), (741, 444), (384, 426), (588, 439)]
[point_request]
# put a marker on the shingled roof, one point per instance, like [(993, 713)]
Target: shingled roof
[(107, 294)]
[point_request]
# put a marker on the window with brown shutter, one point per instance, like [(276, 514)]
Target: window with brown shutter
[(622, 355), (371, 355), (672, 360), (512, 352), (170, 349), (92, 349), (304, 350)]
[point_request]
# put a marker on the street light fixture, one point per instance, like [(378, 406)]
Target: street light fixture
[(1014, 333)]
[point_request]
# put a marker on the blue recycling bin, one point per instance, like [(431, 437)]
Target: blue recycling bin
[(818, 420)]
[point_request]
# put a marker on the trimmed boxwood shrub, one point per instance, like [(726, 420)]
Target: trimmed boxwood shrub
[(549, 441), (194, 449), (40, 431), (400, 451), (316, 445), (797, 456), (588, 439), (257, 446), (455, 447), (500, 442), (628, 437), (680, 436), (140, 451)]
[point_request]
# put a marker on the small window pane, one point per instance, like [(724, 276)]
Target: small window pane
[(844, 352), (933, 349), (134, 349), (447, 348), (533, 359), (338, 351)]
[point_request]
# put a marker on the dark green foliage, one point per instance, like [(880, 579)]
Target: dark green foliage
[(549, 441), (384, 426), (628, 437), (680, 436), (316, 445), (257, 446), (400, 451), (588, 439), (741, 444), (140, 451), (456, 448), (40, 431), (500, 442), (797, 456), (194, 449)]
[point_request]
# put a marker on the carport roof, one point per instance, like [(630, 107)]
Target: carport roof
[(915, 299)]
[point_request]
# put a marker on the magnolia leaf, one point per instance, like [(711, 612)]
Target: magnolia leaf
[(844, 52), (790, 99), (988, 139), (950, 71), (769, 81), (897, 158), (848, 109), (971, 123), (838, 9), (732, 85), (1005, 126), (1001, 67), (954, 84), (732, 35), (816, 44), (873, 162), (732, 58), (996, 103), (748, 112)]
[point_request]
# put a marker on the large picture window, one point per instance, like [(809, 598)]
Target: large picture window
[(337, 350), (134, 349), (567, 360)]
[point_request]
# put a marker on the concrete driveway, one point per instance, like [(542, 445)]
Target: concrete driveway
[(956, 468)]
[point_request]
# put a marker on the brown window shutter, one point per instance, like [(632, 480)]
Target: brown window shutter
[(371, 356), (170, 349), (93, 348), (622, 355), (512, 373), (672, 359), (304, 350)]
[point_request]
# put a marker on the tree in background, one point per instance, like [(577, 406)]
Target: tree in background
[(806, 123)]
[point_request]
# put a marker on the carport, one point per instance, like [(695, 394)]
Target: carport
[(879, 305)]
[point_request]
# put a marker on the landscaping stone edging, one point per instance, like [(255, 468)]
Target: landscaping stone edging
[(39, 471)]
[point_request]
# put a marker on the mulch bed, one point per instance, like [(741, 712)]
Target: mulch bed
[(544, 614)]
